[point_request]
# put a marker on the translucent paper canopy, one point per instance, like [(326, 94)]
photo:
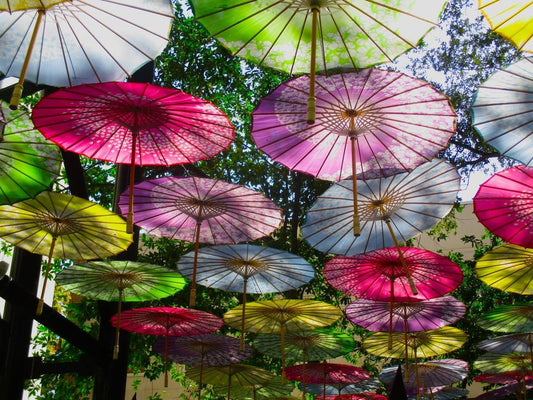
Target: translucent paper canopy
[(85, 41), (265, 270), (278, 34), (503, 109), (397, 123), (412, 203)]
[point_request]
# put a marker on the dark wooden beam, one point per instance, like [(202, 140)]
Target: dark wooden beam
[(25, 304), (17, 325)]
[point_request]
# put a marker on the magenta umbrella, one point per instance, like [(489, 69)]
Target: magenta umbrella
[(201, 210), (167, 321), (368, 124), (133, 123), (325, 373), (379, 275), (504, 204), (406, 316)]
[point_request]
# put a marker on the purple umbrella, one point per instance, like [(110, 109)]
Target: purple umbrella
[(207, 350), (383, 316)]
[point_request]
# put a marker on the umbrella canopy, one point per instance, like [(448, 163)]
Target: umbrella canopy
[(285, 35), (502, 378), (282, 317), (167, 321), (28, 163), (121, 122), (511, 19), (247, 268), (416, 344), (15, 5), (112, 280), (202, 210), (503, 111), (379, 275), (515, 343), (326, 373), (239, 375), (496, 363), (394, 122), (75, 42), (503, 205), (391, 210), (508, 268), (344, 388), (208, 350), (316, 345), (115, 280), (512, 389), (226, 213), (357, 396), (406, 316), (355, 36), (508, 318), (133, 123), (63, 226), (447, 393), (424, 376), (274, 388), (290, 315)]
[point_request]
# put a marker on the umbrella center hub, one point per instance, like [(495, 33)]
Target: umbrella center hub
[(407, 310), (282, 315), (304, 341), (246, 268), (355, 123), (391, 268), (121, 280), (200, 209), (140, 118), (380, 209), (58, 226)]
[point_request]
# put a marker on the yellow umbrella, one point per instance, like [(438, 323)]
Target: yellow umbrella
[(63, 226), (512, 19), (414, 345), (508, 268), (282, 316), (14, 5)]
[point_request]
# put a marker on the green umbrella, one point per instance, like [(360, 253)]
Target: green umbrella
[(28, 162), (307, 35), (508, 318), (495, 363), (120, 281), (312, 345)]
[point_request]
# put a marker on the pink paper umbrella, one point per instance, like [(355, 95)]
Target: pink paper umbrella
[(368, 124), (504, 204), (355, 396), (326, 373), (202, 210), (167, 321), (380, 275), (133, 123)]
